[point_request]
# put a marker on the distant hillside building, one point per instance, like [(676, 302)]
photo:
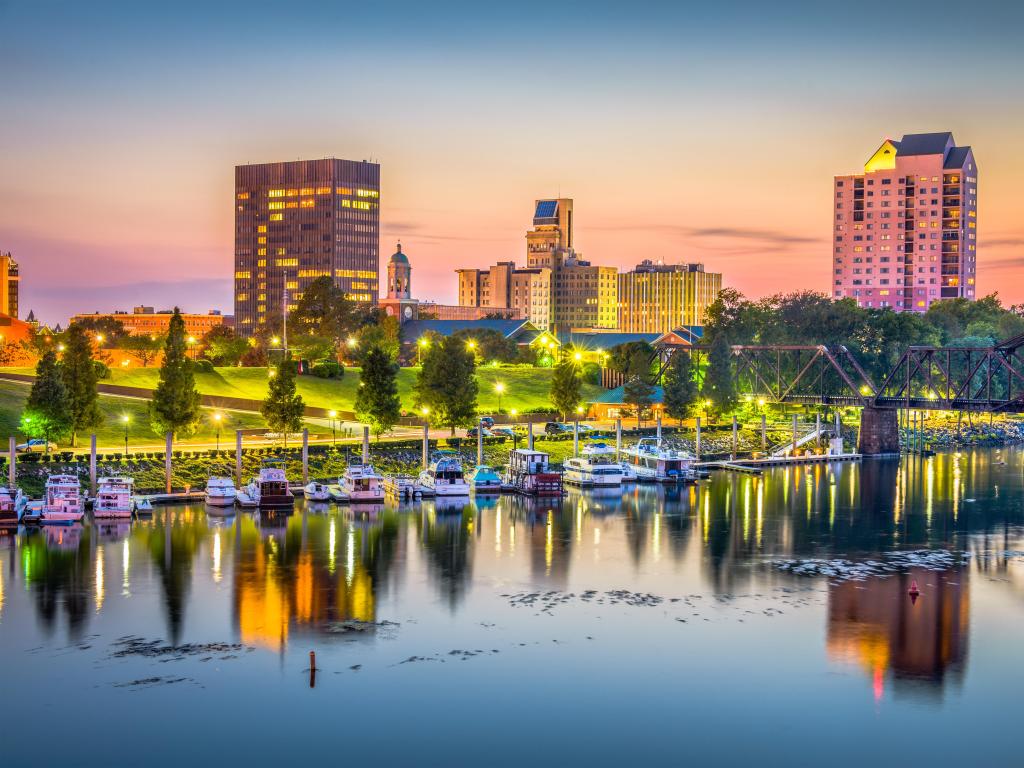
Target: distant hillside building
[(9, 282), (905, 230), (144, 321), (656, 298), (297, 221)]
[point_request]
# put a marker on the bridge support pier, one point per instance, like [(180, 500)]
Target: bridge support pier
[(879, 431)]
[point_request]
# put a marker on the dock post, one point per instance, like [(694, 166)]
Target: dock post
[(697, 441), (792, 450), (12, 470), (735, 436), (764, 432), (529, 435), (92, 465), (618, 438), (576, 438), (167, 462), (426, 446), (305, 456), (479, 443), (839, 430), (366, 444), (238, 457), (658, 422)]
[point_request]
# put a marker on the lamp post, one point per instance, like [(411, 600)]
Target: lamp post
[(126, 419), (515, 434), (216, 420), (191, 341), (333, 415), (420, 346), (499, 388)]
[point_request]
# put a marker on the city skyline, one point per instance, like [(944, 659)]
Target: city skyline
[(122, 141)]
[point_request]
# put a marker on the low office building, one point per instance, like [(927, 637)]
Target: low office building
[(145, 321)]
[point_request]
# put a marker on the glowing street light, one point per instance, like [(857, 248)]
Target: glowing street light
[(99, 338), (499, 388), (470, 345), (271, 373), (333, 415), (577, 356), (351, 342), (126, 418), (422, 344), (60, 347), (216, 420)]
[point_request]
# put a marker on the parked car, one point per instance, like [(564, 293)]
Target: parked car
[(471, 432), (556, 428), (503, 432), (487, 421), (34, 445), (585, 428)]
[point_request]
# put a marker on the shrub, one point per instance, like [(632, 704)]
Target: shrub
[(328, 369), (102, 369), (203, 366)]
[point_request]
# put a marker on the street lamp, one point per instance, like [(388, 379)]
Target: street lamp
[(578, 356), (99, 338), (470, 345), (191, 341), (499, 388), (420, 346), (515, 435), (126, 418), (216, 420), (332, 415)]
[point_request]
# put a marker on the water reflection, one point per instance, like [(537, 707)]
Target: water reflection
[(307, 573)]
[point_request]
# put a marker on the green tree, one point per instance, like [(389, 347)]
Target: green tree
[(385, 335), (175, 404), (46, 411), (144, 347), (565, 388), (324, 311), (283, 408), (638, 395), (222, 346), (446, 383), (719, 386), (679, 387), (79, 376), (107, 331), (489, 344), (377, 401)]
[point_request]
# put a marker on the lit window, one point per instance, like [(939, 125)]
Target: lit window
[(276, 216)]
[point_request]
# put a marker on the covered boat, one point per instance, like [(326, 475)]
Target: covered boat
[(597, 466), (444, 476), (528, 473), (114, 497)]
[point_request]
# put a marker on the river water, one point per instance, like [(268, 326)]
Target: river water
[(712, 623)]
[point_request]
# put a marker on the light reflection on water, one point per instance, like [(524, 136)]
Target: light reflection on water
[(688, 622)]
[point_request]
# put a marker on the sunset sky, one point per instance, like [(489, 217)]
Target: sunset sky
[(683, 134)]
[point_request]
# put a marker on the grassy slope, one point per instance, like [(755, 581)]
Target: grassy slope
[(525, 388)]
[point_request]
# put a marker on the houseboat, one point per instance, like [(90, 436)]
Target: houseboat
[(10, 507), (485, 480), (269, 489), (528, 473), (444, 476), (653, 460), (63, 502), (114, 497), (361, 483), (220, 492), (597, 466)]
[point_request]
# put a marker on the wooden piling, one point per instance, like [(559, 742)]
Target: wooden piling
[(305, 456), (167, 462)]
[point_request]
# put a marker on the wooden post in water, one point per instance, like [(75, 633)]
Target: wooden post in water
[(12, 469), (576, 438), (817, 427), (618, 438), (167, 461), (426, 446), (479, 443), (735, 436), (92, 465), (529, 435), (238, 457), (839, 430), (792, 450), (764, 432), (366, 444), (658, 427), (305, 456), (697, 441)]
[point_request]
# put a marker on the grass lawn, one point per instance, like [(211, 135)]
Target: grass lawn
[(111, 432), (525, 388)]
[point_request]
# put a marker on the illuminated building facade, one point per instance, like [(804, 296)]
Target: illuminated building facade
[(9, 281), (905, 230), (144, 321), (297, 221), (657, 298), (516, 293)]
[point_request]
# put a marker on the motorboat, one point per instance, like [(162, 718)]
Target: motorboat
[(361, 483), (220, 492), (528, 473), (62, 504), (269, 489), (485, 480), (11, 506), (114, 497), (654, 460), (402, 487), (444, 476), (316, 491), (628, 472), (143, 505), (597, 465)]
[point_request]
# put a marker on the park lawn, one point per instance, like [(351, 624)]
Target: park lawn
[(526, 388), (114, 409)]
